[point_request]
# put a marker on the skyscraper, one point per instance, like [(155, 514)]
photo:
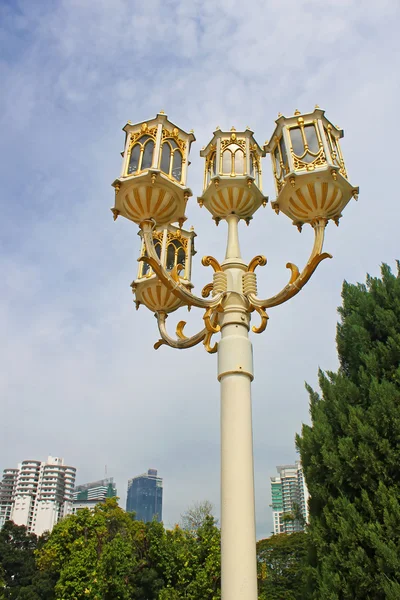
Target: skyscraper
[(37, 494), (144, 496), (289, 499), (88, 495)]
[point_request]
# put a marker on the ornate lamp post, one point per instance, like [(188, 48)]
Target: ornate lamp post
[(312, 187)]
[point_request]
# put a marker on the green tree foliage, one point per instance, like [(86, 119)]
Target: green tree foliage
[(351, 452), (107, 555), (280, 566), (94, 555), (19, 578)]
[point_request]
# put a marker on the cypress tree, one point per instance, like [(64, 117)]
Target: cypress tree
[(351, 451)]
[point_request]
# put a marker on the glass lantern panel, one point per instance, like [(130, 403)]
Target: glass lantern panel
[(329, 139), (336, 148), (277, 160), (208, 175), (239, 162), (147, 155), (170, 256), (165, 158), (177, 166), (251, 165), (297, 141), (226, 162), (311, 137), (157, 247), (214, 165), (181, 257), (173, 143), (284, 155), (145, 267), (134, 159)]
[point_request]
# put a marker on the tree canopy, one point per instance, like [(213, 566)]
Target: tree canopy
[(280, 566), (351, 451), (108, 555)]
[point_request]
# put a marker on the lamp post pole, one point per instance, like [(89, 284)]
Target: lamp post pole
[(312, 188), (235, 373)]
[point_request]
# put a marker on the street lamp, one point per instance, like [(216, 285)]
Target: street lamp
[(312, 187)]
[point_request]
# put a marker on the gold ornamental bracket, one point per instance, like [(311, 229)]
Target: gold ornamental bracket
[(182, 341), (297, 279)]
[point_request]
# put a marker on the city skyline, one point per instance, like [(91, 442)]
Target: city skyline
[(80, 376), (87, 495)]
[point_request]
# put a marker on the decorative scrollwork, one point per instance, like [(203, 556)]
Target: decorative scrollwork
[(183, 341), (295, 272), (264, 320), (179, 330), (210, 261), (210, 322), (211, 349), (257, 261), (207, 289)]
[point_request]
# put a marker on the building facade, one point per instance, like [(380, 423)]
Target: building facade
[(88, 495), (289, 499), (37, 494), (144, 497)]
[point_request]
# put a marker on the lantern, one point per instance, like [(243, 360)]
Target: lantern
[(309, 171), (232, 175), (175, 248), (152, 184)]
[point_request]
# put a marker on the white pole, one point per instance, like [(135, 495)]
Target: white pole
[(235, 372)]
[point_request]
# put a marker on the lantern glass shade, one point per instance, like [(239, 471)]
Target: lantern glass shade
[(165, 158), (239, 162), (175, 255), (147, 157), (311, 137), (297, 141), (133, 165), (226, 162), (171, 159), (177, 166)]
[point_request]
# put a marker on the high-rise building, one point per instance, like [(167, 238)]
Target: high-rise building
[(289, 499), (88, 495), (7, 489), (37, 494), (144, 496)]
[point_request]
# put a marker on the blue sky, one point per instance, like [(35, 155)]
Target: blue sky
[(79, 375)]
